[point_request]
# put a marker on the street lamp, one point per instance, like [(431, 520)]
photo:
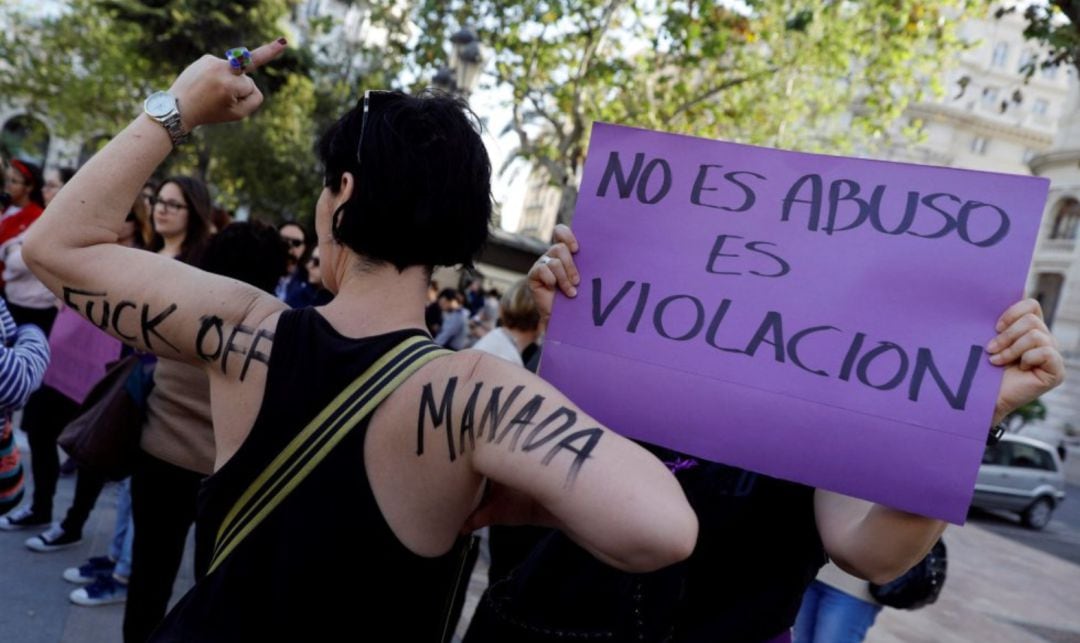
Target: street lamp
[(465, 64)]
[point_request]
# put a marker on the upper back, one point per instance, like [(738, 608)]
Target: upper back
[(332, 518)]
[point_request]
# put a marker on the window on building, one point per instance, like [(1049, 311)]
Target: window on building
[(1001, 55), (1041, 106), (979, 144), (1027, 59), (1067, 220), (1048, 287), (990, 97), (1049, 72)]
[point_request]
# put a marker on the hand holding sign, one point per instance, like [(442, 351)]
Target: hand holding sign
[(555, 268), (819, 319), (1030, 354)]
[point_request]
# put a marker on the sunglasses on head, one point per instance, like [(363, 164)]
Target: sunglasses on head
[(371, 97)]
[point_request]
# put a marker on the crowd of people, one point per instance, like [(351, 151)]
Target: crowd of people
[(314, 411)]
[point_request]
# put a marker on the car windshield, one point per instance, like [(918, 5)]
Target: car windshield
[(1018, 454)]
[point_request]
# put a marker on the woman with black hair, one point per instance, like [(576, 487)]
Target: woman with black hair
[(346, 442)]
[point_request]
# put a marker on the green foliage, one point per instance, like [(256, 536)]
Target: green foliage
[(1056, 26), (785, 74), (1033, 410), (87, 70)]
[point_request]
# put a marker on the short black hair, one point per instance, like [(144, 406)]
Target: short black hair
[(450, 294), (423, 181), (250, 251)]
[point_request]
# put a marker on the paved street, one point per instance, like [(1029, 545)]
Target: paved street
[(33, 594), (1060, 538)]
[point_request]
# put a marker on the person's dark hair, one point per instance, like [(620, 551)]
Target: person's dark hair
[(450, 294), (197, 200), (250, 251), (66, 173), (31, 173), (423, 184), (309, 238)]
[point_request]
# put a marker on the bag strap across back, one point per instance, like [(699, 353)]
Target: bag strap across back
[(305, 451)]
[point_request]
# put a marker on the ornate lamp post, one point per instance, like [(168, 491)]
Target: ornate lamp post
[(467, 60)]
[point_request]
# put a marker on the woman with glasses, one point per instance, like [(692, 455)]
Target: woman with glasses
[(29, 301), (380, 490), (180, 213)]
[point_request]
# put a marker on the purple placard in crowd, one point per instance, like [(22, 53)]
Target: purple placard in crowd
[(815, 318)]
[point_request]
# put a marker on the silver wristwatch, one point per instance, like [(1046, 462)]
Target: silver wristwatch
[(164, 108)]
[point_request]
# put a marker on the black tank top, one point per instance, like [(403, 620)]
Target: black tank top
[(324, 565)]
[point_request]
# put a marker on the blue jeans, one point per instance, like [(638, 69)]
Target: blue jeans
[(123, 532), (828, 615)]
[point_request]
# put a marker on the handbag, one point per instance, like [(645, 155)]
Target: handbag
[(104, 436), (920, 586)]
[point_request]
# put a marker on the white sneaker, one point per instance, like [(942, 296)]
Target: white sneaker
[(54, 539), (22, 518), (106, 590)]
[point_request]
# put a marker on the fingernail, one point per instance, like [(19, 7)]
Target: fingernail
[(282, 41), (573, 292), (995, 359), (992, 346), (577, 280)]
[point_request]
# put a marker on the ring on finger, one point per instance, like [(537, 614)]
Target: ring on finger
[(545, 260), (239, 59)]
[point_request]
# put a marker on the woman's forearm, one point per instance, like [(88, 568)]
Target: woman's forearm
[(91, 208), (872, 541)]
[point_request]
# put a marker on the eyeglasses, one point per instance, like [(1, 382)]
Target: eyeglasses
[(370, 96), (314, 261), (173, 206), (293, 243)]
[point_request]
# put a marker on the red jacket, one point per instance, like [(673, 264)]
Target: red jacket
[(17, 223)]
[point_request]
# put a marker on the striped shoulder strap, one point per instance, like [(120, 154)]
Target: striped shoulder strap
[(304, 452)]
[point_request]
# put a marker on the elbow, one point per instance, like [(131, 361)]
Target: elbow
[(33, 250), (880, 570), (671, 542)]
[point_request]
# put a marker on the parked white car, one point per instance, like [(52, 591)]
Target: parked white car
[(1022, 475)]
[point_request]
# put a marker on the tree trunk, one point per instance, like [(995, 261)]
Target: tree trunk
[(567, 204)]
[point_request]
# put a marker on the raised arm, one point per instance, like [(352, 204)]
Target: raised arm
[(879, 543), (149, 301)]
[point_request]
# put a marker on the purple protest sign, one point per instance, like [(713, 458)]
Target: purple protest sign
[(815, 318)]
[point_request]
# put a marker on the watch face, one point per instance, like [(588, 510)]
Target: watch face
[(160, 104)]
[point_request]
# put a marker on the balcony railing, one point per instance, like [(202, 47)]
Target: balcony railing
[(1058, 246)]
